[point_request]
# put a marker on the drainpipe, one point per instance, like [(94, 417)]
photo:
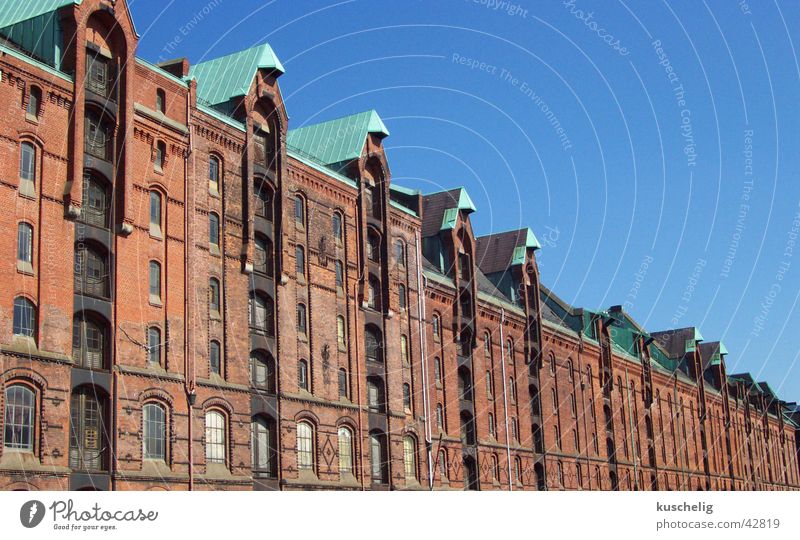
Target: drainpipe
[(421, 283), (632, 434), (583, 407), (189, 383), (505, 395)]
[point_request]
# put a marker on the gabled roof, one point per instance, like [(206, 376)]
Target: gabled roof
[(676, 343), (222, 79), (497, 252), (13, 12), (712, 353), (339, 140), (440, 210)]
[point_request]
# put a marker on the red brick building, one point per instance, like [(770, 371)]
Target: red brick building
[(201, 298)]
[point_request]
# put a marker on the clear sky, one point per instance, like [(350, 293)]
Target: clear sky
[(652, 146)]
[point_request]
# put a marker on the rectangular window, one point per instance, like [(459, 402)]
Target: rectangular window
[(25, 243), (300, 261), (301, 318), (27, 168)]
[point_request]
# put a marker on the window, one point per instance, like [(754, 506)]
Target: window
[(376, 400), (262, 313), (154, 419), (213, 175), (215, 437), (263, 261), (518, 470), (400, 253), (373, 288), (19, 418), (214, 297), (439, 416), (487, 345), (514, 429), (436, 326), (573, 405), (443, 465), (299, 211), (88, 441), (336, 224), (437, 370), (339, 275), (345, 450), (510, 351), (410, 457), (98, 74), (343, 383), (154, 346), (263, 192), (91, 272), (404, 350), (263, 442), (495, 468), (262, 372), (407, 397), (492, 431), (302, 321), (89, 342), (24, 317), (554, 399), (214, 361), (379, 458), (98, 136), (155, 282), (25, 245), (373, 246), (341, 336), (213, 231), (373, 344), (155, 213), (489, 391), (305, 446), (402, 299), (552, 364), (96, 201), (300, 261), (302, 375), (34, 101), (512, 389), (27, 168), (161, 101), (161, 155)]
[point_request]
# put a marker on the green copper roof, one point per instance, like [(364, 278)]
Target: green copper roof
[(520, 252), (339, 140), (13, 12), (222, 79), (465, 203), (697, 335)]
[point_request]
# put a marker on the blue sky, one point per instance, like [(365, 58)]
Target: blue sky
[(652, 146)]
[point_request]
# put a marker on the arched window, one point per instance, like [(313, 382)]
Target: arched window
[(339, 267), (557, 436), (300, 261), (302, 375), (552, 364), (560, 473), (262, 313), (437, 370), (345, 450), (88, 437), (489, 385), (155, 282), (341, 333), (510, 351), (96, 201), (373, 343), (570, 375), (214, 304), (161, 155), (554, 399), (443, 465), (263, 373), (512, 389), (305, 446), (492, 432), (400, 253), (34, 102), (161, 101), (533, 391), (373, 246), (98, 136), (263, 194), (487, 345), (410, 457), (470, 474), (263, 256), (19, 418), (302, 319), (402, 298), (404, 350), (27, 168), (495, 468), (216, 437), (214, 358), (518, 470), (467, 429), (263, 436), (155, 213), (213, 174), (154, 346), (538, 442), (436, 326), (464, 384), (407, 397), (89, 347), (514, 429), (343, 385), (373, 293), (299, 211), (25, 246), (213, 230), (440, 416), (379, 458), (336, 225), (376, 397), (154, 419)]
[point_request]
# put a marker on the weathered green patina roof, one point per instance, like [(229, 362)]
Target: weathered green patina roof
[(227, 77), (12, 13), (339, 140)]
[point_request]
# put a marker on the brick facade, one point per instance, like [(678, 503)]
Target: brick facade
[(215, 307)]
